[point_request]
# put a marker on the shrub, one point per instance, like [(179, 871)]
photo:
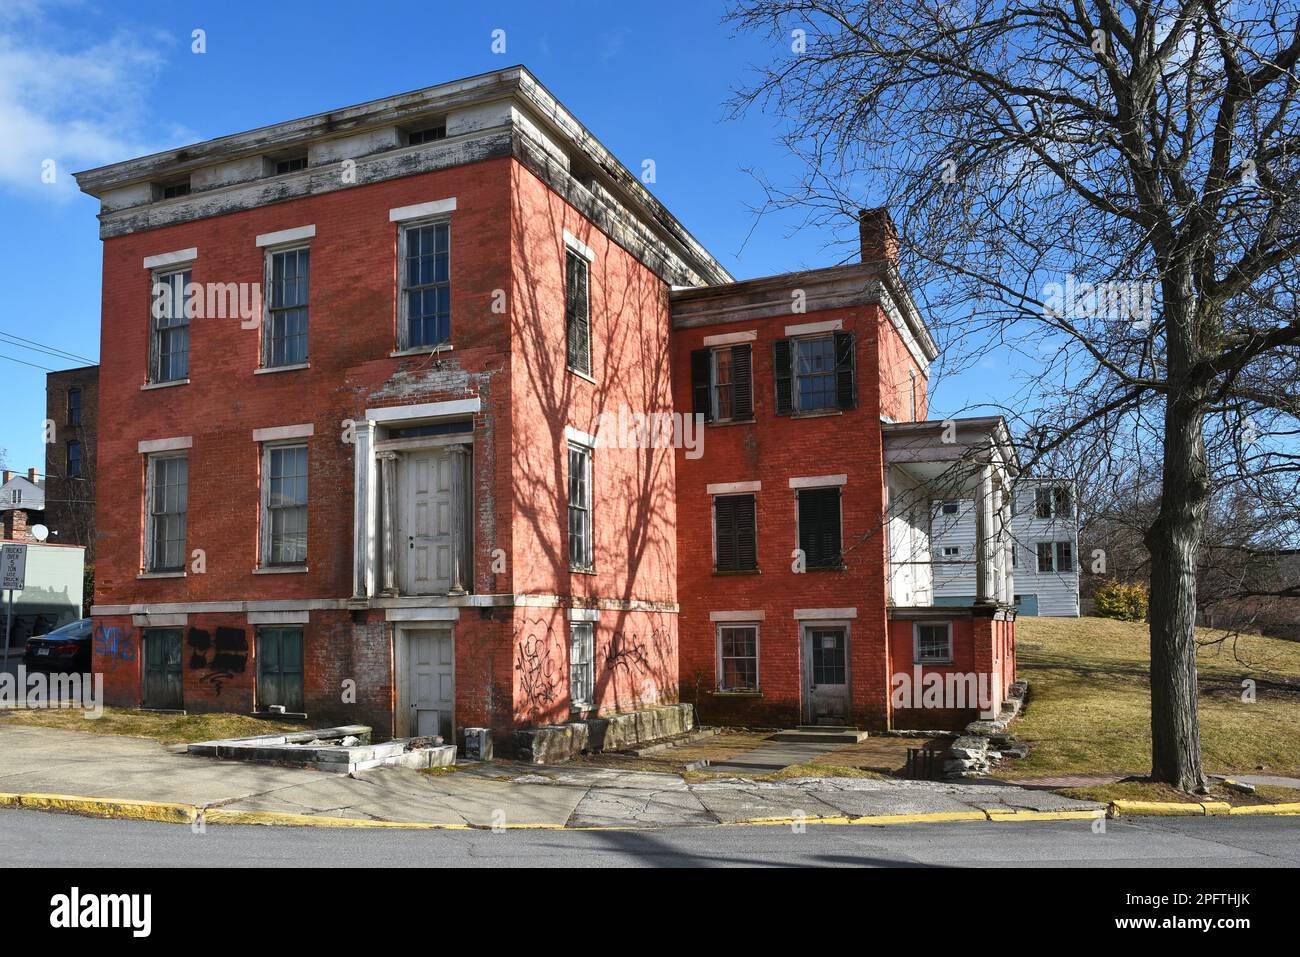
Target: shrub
[(1122, 601)]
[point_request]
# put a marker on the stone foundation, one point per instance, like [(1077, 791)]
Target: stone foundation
[(554, 743)]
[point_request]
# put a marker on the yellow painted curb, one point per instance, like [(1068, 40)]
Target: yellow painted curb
[(1170, 808), (117, 808), (1086, 814), (218, 815), (1284, 810)]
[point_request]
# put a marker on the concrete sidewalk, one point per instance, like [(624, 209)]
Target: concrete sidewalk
[(46, 761)]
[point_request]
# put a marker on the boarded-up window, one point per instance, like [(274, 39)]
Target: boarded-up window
[(279, 668), (735, 532)]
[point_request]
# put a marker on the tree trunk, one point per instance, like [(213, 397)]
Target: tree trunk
[(1173, 541)]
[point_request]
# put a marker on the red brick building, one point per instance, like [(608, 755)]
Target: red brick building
[(364, 449)]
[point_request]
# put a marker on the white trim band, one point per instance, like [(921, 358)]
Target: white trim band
[(728, 338), (811, 328), (819, 481), (279, 432), (733, 488), (172, 258), (737, 616), (148, 446), (426, 410), (581, 438), (278, 617), (282, 236), (422, 614), (824, 614), (160, 621), (584, 614), (438, 207), (578, 246)]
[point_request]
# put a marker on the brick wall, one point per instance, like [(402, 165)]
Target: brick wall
[(70, 501)]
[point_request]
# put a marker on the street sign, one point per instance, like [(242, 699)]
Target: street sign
[(13, 566)]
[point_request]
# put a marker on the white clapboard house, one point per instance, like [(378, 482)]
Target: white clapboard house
[(1044, 529)]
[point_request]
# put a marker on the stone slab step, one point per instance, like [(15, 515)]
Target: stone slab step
[(821, 734)]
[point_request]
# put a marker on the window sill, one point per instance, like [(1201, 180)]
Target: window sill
[(267, 370), (281, 570), (421, 350), (582, 375), (723, 423), (726, 572), (935, 664), (826, 568), (581, 571), (163, 385), (736, 694), (819, 414), (144, 575)]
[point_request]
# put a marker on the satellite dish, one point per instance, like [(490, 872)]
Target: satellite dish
[(40, 533)]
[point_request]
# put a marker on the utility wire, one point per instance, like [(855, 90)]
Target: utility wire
[(45, 347), (26, 363)]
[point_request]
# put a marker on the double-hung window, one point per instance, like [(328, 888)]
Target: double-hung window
[(577, 313), (169, 345), (735, 533), (168, 503), (426, 285), (722, 383), (1052, 501), (582, 657), (284, 528), (581, 553), (279, 669), (815, 373), (1055, 557), (932, 642), (286, 307), (819, 527), (737, 657), (74, 406), (74, 459)]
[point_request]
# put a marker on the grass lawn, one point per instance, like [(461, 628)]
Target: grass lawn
[(1089, 700), (167, 728)]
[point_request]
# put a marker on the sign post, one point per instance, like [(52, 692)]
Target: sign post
[(13, 577)]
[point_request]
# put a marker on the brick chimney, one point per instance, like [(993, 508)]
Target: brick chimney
[(8, 474), (31, 476), (878, 235)]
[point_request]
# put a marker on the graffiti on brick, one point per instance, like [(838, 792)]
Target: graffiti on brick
[(537, 672), (113, 645), (220, 656)]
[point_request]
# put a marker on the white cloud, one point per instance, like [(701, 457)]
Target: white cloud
[(80, 106)]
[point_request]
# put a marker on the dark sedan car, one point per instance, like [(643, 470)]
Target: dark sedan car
[(64, 650)]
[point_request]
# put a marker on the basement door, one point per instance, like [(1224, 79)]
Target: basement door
[(425, 522), (431, 683), (826, 667), (162, 669)]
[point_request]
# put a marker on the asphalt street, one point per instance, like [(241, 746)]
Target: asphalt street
[(35, 839)]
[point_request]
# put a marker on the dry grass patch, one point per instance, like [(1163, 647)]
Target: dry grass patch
[(167, 728), (1145, 790), (1089, 704), (719, 747)]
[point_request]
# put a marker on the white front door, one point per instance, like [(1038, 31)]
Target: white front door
[(426, 531), (431, 685)]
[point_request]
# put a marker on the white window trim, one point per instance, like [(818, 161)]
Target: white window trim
[(181, 257), (578, 437), (407, 215), (279, 617), (151, 460), (825, 614), (916, 643), (404, 225), (282, 433), (176, 444), (814, 328), (576, 245), (742, 617), (731, 338), (734, 488), (574, 703), (285, 236), (264, 546), (717, 662), (819, 481)]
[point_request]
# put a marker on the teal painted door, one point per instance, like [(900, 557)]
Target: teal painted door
[(162, 669)]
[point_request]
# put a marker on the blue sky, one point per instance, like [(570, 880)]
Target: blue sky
[(85, 83)]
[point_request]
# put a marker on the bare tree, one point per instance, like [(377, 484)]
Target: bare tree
[(1107, 187)]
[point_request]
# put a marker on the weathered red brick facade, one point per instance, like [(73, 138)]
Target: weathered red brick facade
[(523, 190)]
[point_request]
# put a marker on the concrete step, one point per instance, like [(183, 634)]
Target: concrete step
[(821, 734)]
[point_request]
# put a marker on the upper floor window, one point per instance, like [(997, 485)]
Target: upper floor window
[(577, 313), (722, 382), (286, 321), (169, 347), (951, 507), (173, 188), (290, 164), (1053, 501), (427, 134), (74, 459), (1055, 557), (284, 505), (735, 533), (819, 527), (74, 406), (168, 505), (581, 555), (815, 373), (426, 285)]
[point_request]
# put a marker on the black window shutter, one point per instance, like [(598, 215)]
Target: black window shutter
[(783, 374), (700, 373), (742, 377), (819, 526), (746, 539), (724, 517), (575, 309), (846, 388)]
